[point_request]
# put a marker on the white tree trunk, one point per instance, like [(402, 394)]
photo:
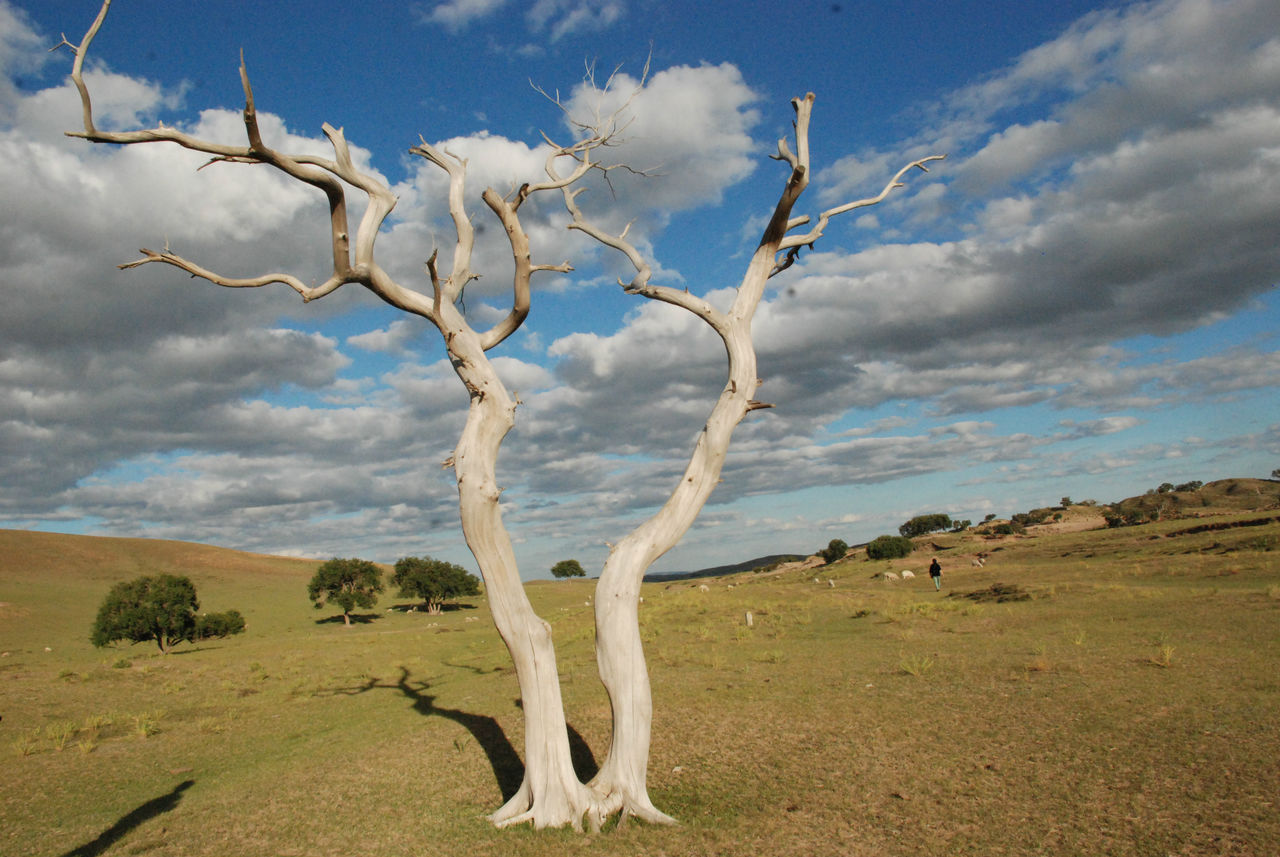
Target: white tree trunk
[(551, 795), (622, 780)]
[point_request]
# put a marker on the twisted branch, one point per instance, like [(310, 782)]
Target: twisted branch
[(326, 175)]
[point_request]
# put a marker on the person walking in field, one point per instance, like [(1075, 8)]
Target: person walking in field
[(935, 571)]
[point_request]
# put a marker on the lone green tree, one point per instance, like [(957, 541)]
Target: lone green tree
[(160, 608), (348, 583), (835, 550), (433, 580), (568, 568), (551, 793), (922, 525)]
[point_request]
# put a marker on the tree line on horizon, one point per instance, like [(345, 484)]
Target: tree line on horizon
[(1150, 506), (162, 608)]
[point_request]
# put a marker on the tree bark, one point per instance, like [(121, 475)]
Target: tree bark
[(551, 795), (622, 780)]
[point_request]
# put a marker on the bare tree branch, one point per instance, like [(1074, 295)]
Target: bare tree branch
[(308, 293), (793, 243), (506, 212), (325, 175)]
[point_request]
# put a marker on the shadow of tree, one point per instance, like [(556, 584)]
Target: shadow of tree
[(421, 607), (145, 812), (356, 619), (193, 650), (508, 770)]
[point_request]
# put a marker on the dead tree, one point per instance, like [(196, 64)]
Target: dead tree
[(551, 795)]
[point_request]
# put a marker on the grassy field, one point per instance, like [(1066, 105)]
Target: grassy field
[(1129, 706)]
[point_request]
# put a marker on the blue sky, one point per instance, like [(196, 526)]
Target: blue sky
[(1082, 300)]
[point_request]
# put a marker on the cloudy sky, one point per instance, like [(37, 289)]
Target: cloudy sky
[(1081, 300)]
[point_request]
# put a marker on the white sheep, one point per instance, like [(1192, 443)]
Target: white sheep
[(890, 576), (908, 575)]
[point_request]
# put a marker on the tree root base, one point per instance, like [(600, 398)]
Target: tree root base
[(596, 813)]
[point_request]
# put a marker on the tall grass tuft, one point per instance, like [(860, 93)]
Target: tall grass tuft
[(915, 665), (27, 742), (147, 723), (1164, 657), (97, 722), (60, 733)]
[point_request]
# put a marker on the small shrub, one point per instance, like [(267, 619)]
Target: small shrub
[(890, 547), (219, 625)]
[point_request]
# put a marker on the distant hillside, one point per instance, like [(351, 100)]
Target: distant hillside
[(33, 555), (1215, 498), (758, 563), (52, 583)]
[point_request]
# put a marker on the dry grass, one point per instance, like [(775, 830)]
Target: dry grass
[(1035, 727)]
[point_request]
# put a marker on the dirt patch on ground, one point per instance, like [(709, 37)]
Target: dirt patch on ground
[(996, 592), (1073, 524)]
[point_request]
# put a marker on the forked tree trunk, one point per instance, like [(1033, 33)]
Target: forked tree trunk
[(550, 795)]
